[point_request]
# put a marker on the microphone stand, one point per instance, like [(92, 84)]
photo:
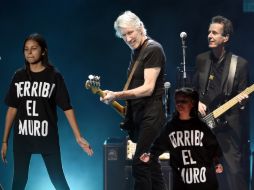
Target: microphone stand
[(184, 62), (166, 107), (167, 86)]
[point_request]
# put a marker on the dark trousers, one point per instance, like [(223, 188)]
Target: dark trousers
[(53, 164), (233, 176), (148, 118), (148, 176)]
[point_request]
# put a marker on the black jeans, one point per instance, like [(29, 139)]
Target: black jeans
[(148, 118), (232, 177), (53, 164), (230, 139)]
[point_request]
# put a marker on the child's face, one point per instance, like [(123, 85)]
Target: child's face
[(183, 104), (32, 52)]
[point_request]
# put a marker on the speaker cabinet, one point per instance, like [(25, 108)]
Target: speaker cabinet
[(166, 172), (113, 165), (117, 169)]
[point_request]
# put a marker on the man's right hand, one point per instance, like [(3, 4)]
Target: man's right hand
[(109, 97), (202, 108)]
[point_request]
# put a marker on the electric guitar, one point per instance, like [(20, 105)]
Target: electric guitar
[(210, 118), (94, 85)]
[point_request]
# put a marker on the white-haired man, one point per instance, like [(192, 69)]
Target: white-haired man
[(144, 97)]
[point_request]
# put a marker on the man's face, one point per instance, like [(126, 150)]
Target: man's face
[(215, 36), (132, 37)]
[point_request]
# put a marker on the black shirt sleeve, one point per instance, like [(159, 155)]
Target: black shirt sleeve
[(154, 56), (62, 96)]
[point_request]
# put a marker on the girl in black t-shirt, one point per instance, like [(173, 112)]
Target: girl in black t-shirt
[(34, 94), (192, 146)]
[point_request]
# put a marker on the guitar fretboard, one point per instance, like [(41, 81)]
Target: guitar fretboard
[(226, 106)]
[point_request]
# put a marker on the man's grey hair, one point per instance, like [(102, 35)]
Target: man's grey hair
[(128, 19)]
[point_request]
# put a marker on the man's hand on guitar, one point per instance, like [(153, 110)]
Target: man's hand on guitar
[(202, 108), (109, 96), (242, 97)]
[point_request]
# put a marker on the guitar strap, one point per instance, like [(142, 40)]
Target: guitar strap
[(231, 75), (127, 124), (126, 86)]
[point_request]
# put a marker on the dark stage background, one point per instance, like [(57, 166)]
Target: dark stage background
[(82, 41)]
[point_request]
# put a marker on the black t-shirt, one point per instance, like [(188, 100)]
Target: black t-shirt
[(153, 56), (36, 100), (192, 147)]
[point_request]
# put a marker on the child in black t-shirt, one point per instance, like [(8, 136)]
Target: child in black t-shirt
[(32, 100), (192, 146)]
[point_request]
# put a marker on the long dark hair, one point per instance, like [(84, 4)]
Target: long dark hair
[(194, 97), (44, 47)]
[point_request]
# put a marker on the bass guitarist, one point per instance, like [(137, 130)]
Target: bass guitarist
[(143, 93), (222, 75)]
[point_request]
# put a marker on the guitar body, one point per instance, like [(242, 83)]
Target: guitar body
[(128, 126), (214, 122), (209, 118)]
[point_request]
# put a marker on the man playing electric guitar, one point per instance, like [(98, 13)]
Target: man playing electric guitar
[(144, 96), (219, 73)]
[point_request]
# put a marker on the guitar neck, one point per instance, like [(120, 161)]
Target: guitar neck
[(118, 107), (226, 106)]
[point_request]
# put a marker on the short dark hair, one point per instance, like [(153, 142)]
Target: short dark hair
[(228, 26), (193, 95)]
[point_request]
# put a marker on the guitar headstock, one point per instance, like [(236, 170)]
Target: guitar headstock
[(93, 83)]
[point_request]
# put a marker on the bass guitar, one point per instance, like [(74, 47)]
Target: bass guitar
[(210, 119), (93, 84)]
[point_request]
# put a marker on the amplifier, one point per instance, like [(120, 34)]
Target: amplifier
[(117, 169), (166, 172), (131, 148), (113, 164)]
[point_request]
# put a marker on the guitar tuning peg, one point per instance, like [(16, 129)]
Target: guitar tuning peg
[(91, 77), (88, 84)]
